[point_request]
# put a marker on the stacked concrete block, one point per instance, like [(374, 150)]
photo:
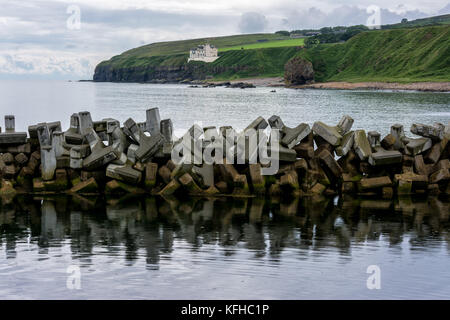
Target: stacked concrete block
[(96, 156)]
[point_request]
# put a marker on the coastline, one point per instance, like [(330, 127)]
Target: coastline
[(343, 85)]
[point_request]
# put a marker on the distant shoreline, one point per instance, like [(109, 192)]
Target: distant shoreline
[(343, 85)]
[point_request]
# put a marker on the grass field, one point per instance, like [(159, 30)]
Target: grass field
[(267, 44), (400, 55)]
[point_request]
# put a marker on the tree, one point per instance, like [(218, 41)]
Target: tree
[(283, 33), (311, 42), (404, 20)]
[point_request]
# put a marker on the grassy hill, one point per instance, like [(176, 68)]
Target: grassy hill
[(430, 21), (396, 54), (404, 55)]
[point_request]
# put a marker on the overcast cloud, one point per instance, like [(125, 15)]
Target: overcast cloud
[(35, 40)]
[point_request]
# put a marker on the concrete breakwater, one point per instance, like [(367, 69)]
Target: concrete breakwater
[(93, 157)]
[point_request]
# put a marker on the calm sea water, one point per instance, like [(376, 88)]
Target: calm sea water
[(152, 248)]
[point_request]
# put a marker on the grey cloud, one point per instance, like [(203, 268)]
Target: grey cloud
[(344, 16), (252, 22)]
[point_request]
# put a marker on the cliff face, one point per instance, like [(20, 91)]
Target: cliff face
[(174, 68)]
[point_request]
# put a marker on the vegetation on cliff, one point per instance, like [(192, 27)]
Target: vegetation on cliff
[(400, 55)]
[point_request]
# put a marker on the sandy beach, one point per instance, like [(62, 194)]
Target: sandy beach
[(418, 86)]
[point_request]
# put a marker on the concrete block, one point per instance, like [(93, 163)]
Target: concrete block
[(304, 150), (374, 183), (293, 136), (190, 185), (153, 121), (48, 161), (89, 186), (435, 132), (123, 173), (385, 157), (85, 122), (388, 142), (374, 139), (206, 172), (416, 146), (440, 176), (73, 134), (170, 188), (331, 167), (346, 143), (257, 180), (361, 145), (151, 170), (21, 159), (345, 124), (167, 129), (7, 158), (328, 133), (258, 124), (275, 122), (398, 133)]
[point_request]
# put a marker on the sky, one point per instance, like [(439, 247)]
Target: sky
[(66, 39)]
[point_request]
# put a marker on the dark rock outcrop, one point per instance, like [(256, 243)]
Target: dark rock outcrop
[(298, 71)]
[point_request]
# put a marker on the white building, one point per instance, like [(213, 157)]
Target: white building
[(205, 53)]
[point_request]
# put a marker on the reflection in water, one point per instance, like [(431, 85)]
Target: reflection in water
[(154, 228)]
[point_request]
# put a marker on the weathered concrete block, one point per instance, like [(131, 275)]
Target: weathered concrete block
[(170, 188), (374, 183), (73, 134), (331, 167), (21, 159), (257, 124), (148, 146), (346, 143), (374, 139), (304, 150), (123, 173), (434, 154), (89, 186), (256, 178), (48, 161), (398, 133), (345, 124), (275, 122), (207, 173), (387, 192), (435, 132), (190, 185), (7, 158), (167, 129), (85, 122), (440, 176), (330, 134), (317, 189), (100, 155), (165, 174), (289, 181), (361, 145), (151, 170), (385, 157), (222, 186), (153, 121), (416, 146), (388, 142), (6, 189), (292, 136), (416, 181)]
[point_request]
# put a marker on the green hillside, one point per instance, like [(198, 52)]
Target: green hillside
[(401, 55), (418, 54)]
